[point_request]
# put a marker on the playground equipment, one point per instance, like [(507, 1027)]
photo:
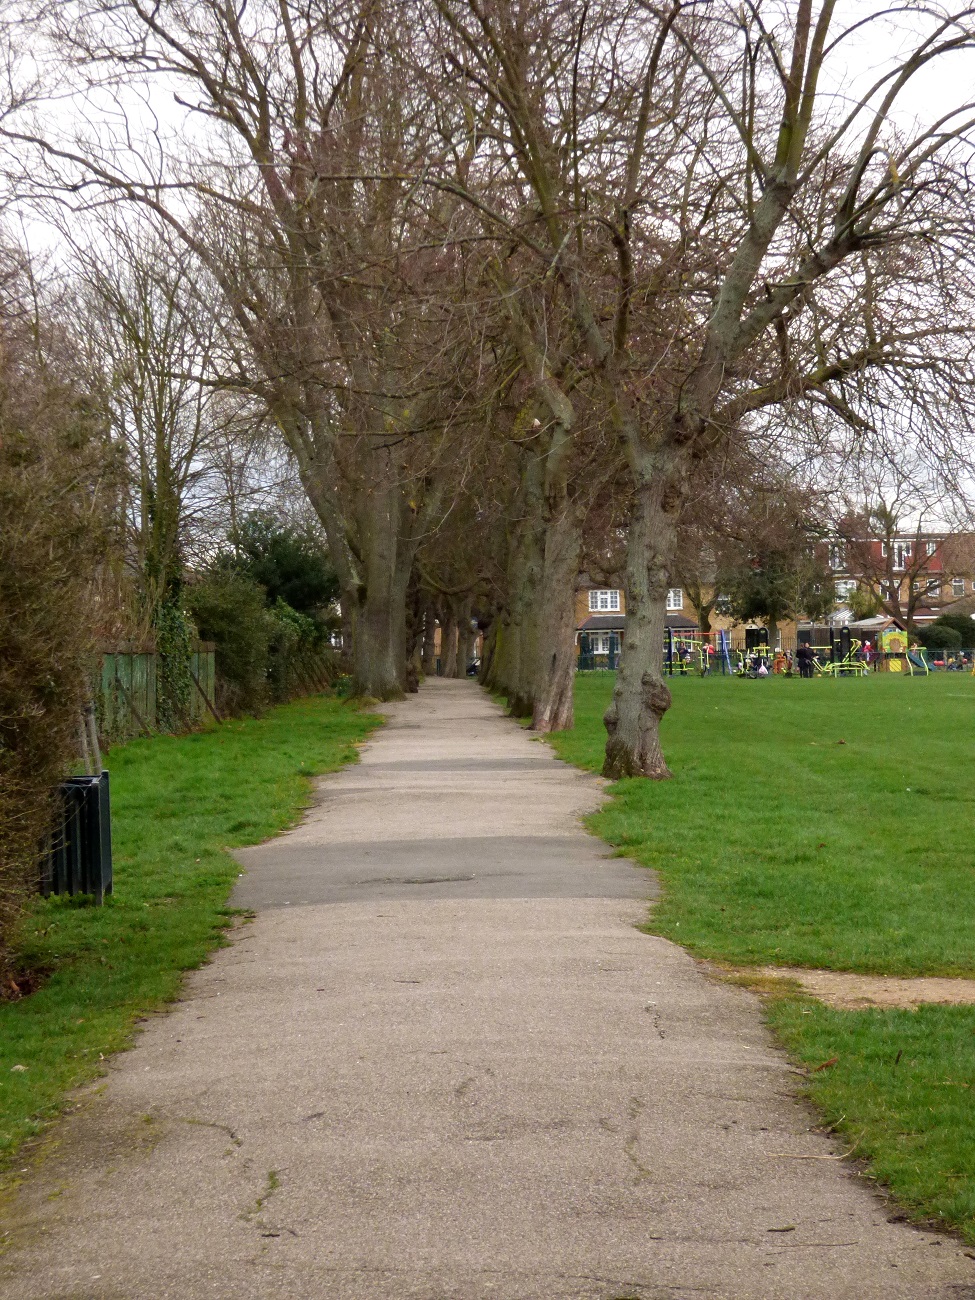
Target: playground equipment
[(845, 659), (724, 652), (837, 653)]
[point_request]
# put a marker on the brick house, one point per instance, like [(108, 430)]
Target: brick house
[(601, 618), (913, 576)]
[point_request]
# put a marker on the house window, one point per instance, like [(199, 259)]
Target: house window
[(845, 588), (934, 592), (902, 555), (958, 586), (836, 558), (604, 602), (932, 548), (599, 643), (675, 598)]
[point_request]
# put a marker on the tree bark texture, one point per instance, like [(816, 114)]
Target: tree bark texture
[(465, 637), (385, 562), (514, 661), (555, 662), (486, 674), (640, 697), (448, 644)]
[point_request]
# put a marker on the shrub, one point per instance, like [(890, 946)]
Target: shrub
[(174, 683), (53, 461), (291, 564), (959, 623), (229, 610), (939, 637), (300, 653)]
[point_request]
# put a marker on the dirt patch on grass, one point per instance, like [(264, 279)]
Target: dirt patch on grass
[(846, 991)]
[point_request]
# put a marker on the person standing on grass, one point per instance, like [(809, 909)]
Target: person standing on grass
[(804, 655)]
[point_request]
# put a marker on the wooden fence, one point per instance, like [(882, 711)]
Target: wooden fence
[(126, 691)]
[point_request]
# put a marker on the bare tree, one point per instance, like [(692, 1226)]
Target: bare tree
[(726, 236), (296, 201)]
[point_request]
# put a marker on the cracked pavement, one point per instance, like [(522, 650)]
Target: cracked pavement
[(443, 1064)]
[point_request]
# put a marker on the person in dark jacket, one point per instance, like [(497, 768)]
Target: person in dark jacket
[(805, 657)]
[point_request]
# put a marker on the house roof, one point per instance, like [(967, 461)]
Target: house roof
[(617, 623), (875, 624)]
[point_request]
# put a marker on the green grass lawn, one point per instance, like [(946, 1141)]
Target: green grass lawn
[(178, 805), (815, 823), (827, 824)]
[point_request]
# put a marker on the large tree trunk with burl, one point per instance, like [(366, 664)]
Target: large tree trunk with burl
[(555, 661), (640, 697)]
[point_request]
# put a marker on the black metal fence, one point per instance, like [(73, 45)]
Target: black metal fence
[(598, 650), (78, 856)]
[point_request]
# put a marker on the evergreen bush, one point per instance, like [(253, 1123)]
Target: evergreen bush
[(939, 636), (230, 610)]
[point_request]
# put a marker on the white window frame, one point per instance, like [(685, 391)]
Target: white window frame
[(675, 598), (605, 600), (902, 555), (958, 586), (837, 560), (845, 587), (599, 643)]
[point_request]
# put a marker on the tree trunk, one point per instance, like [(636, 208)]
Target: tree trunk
[(513, 664), (373, 575), (640, 697), (379, 638), (486, 674), (523, 632), (414, 639), (448, 644), (428, 655), (555, 616), (465, 637), (385, 563)]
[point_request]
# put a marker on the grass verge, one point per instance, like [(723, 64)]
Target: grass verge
[(827, 824), (901, 1093), (178, 805), (820, 823)]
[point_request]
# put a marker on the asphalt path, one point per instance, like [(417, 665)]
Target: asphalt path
[(444, 1064)]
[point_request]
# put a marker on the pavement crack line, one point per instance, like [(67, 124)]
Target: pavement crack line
[(236, 1141), (271, 1185)]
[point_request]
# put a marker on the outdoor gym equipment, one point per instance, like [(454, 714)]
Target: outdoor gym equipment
[(724, 652), (844, 657)]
